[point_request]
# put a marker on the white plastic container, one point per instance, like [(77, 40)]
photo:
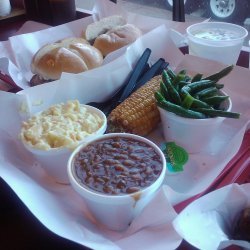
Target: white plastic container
[(116, 212), (194, 135), (216, 41), (54, 161)]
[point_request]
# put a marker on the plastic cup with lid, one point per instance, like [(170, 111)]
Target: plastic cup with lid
[(216, 41)]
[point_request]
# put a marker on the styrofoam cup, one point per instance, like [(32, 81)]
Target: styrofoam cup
[(217, 41), (194, 135), (54, 161), (117, 211)]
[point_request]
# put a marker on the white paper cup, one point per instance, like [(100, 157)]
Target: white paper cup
[(54, 161), (117, 211), (216, 41), (194, 135)]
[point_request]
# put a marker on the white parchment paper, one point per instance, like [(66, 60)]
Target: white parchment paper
[(57, 206), (208, 222)]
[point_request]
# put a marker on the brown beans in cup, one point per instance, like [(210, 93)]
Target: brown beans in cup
[(117, 165)]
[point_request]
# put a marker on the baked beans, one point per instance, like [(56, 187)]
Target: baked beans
[(117, 165)]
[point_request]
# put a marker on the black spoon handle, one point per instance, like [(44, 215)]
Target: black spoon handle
[(155, 69), (139, 67), (116, 96)]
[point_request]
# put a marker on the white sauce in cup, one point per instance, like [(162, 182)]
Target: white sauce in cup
[(216, 34)]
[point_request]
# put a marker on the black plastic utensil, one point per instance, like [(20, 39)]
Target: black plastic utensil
[(140, 67), (135, 75), (116, 95), (156, 69)]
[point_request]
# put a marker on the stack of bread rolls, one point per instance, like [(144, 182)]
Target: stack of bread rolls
[(72, 55), (111, 33), (76, 55)]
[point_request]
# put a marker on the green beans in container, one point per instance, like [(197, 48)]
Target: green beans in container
[(195, 97)]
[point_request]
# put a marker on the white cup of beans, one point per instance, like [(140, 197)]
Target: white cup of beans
[(117, 175)]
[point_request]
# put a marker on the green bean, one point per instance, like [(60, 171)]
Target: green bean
[(199, 85), (173, 93), (200, 104), (190, 102), (187, 78), (182, 84), (194, 97), (206, 92), (219, 86), (187, 100), (171, 73), (179, 77), (216, 113), (215, 100), (158, 96), (197, 77), (182, 72), (178, 110), (165, 77), (164, 91), (217, 76)]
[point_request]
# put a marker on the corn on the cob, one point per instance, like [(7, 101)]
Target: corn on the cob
[(138, 114)]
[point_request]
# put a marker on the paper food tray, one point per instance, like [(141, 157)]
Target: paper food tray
[(64, 212), (30, 182)]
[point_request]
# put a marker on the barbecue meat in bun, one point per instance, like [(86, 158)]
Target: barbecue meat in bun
[(71, 55), (117, 38)]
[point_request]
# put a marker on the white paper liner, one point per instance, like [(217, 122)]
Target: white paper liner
[(208, 222), (24, 175), (63, 206), (62, 211)]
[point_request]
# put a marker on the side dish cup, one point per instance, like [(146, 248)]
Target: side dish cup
[(54, 160), (116, 210), (216, 41), (194, 135)]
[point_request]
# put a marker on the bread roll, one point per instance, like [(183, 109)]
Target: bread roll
[(116, 38), (95, 29), (72, 55), (72, 40)]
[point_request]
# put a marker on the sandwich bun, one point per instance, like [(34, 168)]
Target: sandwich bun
[(97, 28), (72, 40), (116, 38), (72, 55)]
